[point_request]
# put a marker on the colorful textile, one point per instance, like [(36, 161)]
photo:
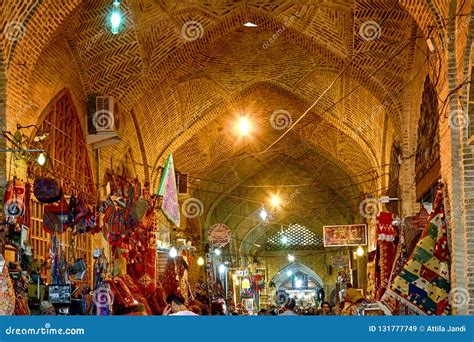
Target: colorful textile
[(386, 243), (401, 257), (7, 293), (424, 280), (169, 191)]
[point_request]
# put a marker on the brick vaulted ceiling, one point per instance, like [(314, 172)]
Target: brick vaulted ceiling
[(182, 95)]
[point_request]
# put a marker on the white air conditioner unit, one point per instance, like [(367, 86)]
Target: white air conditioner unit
[(104, 116), (104, 122)]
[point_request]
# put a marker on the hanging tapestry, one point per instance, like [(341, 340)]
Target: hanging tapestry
[(386, 244), (169, 192), (424, 281), (401, 258), (427, 163)]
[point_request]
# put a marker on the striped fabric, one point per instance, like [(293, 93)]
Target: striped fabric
[(423, 283)]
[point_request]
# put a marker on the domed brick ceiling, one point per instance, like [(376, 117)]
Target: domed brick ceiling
[(180, 91)]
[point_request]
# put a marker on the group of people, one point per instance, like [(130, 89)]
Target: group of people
[(177, 307), (290, 309)]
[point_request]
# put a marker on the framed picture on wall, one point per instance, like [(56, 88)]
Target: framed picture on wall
[(345, 235)]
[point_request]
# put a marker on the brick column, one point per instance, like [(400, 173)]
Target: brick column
[(452, 169)]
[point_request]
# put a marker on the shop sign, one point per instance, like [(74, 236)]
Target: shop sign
[(345, 235), (219, 235), (242, 273), (340, 261)]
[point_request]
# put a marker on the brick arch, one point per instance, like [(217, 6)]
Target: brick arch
[(281, 275), (222, 106)]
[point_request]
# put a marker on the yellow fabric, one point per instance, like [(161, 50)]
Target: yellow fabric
[(352, 295)]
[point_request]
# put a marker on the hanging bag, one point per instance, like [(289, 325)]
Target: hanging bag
[(47, 190)]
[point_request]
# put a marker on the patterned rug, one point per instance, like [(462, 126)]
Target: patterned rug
[(423, 283)]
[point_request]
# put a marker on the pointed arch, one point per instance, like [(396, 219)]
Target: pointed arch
[(295, 267), (66, 146), (67, 149)]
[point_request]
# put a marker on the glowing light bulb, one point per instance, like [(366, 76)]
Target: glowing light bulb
[(244, 126), (236, 282), (173, 253), (360, 251), (263, 214), (41, 159), (298, 283), (284, 239), (222, 268), (200, 261), (289, 273), (116, 18), (291, 257), (275, 200), (217, 251)]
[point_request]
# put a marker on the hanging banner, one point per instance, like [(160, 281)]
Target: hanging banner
[(345, 235), (340, 261), (169, 192), (219, 235)]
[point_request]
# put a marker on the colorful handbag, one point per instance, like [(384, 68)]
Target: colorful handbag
[(47, 190), (56, 217), (14, 199)]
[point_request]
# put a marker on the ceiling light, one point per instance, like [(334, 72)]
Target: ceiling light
[(275, 200), (173, 253), (200, 261), (41, 159), (217, 251), (116, 18), (289, 273), (284, 239), (244, 126), (250, 24), (263, 214), (298, 283), (291, 257)]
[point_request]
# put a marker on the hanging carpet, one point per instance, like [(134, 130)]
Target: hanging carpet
[(423, 283)]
